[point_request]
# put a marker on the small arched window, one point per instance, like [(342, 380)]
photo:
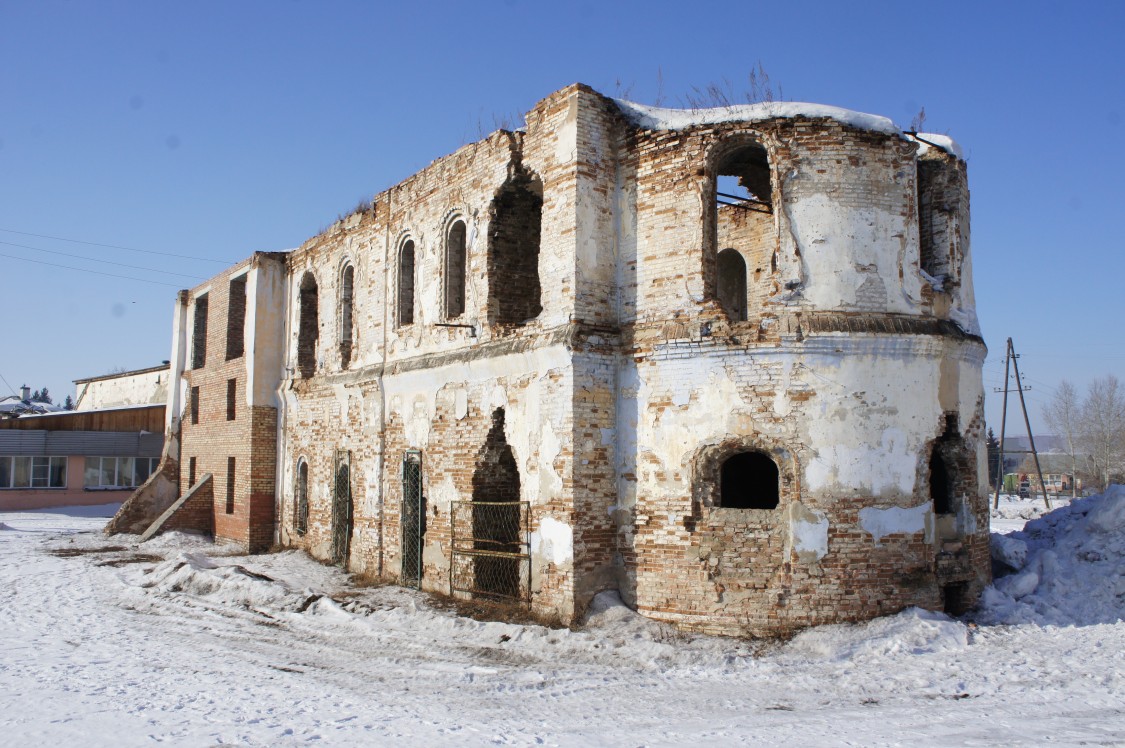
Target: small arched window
[(732, 284), (749, 480), (301, 515), (346, 284), (455, 271), (308, 326), (406, 284)]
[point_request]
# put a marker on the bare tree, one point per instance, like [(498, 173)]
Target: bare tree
[(1062, 415), (1102, 429)]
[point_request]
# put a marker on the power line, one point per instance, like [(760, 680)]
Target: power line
[(95, 272), (107, 262), (115, 246)]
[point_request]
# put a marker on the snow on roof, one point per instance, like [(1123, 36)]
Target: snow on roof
[(659, 118), (927, 140)]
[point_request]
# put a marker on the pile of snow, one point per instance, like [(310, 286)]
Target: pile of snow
[(1068, 567), (914, 631), (194, 575)]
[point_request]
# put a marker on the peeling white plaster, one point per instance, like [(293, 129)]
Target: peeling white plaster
[(809, 533), (553, 542), (460, 403), (895, 520)]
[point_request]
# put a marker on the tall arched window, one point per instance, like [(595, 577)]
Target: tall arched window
[(309, 328), (346, 283), (515, 225), (455, 270), (406, 284), (742, 226), (301, 511)]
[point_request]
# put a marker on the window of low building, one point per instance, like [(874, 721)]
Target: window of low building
[(104, 473), (32, 472)]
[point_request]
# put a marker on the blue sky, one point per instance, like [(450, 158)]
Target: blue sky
[(212, 130)]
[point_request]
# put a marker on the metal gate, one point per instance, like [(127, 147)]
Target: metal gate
[(413, 518), (491, 543), (342, 509)]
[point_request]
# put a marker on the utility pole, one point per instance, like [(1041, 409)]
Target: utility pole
[(1010, 357)]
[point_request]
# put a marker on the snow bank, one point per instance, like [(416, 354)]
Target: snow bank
[(660, 118), (228, 585), (912, 632), (1069, 567)]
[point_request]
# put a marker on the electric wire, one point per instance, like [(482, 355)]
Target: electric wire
[(116, 246), (107, 262), (95, 272)]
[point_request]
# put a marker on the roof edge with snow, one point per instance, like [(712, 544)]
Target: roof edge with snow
[(661, 118)]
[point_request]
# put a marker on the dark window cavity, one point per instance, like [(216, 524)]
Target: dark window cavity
[(455, 271), (347, 282), (309, 327), (302, 520), (230, 485), (193, 406), (406, 284), (236, 318), (514, 228), (732, 284), (749, 480), (199, 334), (232, 389)]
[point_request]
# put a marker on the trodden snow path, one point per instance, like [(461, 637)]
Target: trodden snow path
[(184, 642)]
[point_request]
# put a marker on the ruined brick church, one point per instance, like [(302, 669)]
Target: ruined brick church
[(724, 361)]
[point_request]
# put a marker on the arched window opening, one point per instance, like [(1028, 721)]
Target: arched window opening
[(309, 327), (406, 284), (742, 224), (749, 480), (732, 284), (941, 487), (514, 229), (346, 283), (301, 520), (455, 271)]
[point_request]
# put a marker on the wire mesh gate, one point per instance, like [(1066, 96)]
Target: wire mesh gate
[(491, 543), (342, 509), (413, 518)]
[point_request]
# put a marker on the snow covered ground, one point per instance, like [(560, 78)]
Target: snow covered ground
[(104, 641)]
